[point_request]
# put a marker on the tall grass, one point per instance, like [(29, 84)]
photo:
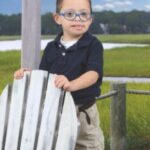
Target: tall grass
[(18, 37), (9, 63), (126, 38), (138, 120), (113, 38), (118, 62), (12, 37), (128, 61)]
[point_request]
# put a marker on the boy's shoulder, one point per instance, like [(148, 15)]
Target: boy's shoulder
[(50, 44), (89, 39), (55, 41), (95, 38)]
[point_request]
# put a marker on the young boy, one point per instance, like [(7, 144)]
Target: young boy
[(77, 58)]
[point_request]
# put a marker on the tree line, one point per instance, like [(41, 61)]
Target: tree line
[(107, 22)]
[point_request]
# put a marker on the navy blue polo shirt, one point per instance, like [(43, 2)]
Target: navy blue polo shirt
[(85, 55)]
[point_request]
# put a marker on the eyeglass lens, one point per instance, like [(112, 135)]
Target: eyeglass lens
[(71, 15)]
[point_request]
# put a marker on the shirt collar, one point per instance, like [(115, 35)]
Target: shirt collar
[(85, 40)]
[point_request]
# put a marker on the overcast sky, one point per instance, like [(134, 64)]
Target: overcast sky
[(14, 6)]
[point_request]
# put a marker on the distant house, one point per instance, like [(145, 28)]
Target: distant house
[(148, 29), (104, 28)]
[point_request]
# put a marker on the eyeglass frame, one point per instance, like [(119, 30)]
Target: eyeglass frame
[(77, 14)]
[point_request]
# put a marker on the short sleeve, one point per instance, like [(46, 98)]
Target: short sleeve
[(44, 63), (95, 57)]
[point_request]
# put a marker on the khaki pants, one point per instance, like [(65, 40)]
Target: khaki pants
[(90, 135)]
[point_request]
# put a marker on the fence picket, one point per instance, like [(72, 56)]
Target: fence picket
[(68, 126), (49, 116), (32, 110), (16, 112), (4, 111)]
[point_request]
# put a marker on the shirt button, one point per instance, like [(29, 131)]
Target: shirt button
[(59, 45), (63, 54)]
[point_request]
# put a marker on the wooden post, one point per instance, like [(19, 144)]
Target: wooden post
[(118, 117), (31, 33)]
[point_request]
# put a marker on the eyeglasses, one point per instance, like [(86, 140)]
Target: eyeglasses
[(71, 15)]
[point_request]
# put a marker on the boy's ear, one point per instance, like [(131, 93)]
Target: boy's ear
[(56, 18), (92, 19)]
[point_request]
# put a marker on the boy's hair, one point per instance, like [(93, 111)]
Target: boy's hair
[(59, 5)]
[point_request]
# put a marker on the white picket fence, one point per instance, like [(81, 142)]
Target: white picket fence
[(35, 115)]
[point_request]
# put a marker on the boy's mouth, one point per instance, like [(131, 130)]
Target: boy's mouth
[(78, 27)]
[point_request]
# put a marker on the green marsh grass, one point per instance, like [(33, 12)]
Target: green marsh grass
[(113, 38), (18, 37), (10, 37), (126, 38), (128, 61), (138, 120), (9, 62), (118, 62)]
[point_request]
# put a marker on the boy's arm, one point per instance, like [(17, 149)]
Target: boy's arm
[(85, 80)]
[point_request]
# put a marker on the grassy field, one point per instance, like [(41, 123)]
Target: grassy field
[(9, 62), (129, 61), (138, 120), (132, 62), (126, 38), (6, 38), (118, 62), (18, 37), (114, 38)]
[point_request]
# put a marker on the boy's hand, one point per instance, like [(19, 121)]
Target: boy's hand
[(20, 73), (62, 82), (84, 81)]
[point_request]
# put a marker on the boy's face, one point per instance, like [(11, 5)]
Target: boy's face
[(78, 25)]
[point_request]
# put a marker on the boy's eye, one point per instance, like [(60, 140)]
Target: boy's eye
[(84, 14), (69, 14)]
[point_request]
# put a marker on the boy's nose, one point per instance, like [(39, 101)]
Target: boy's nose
[(77, 18)]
